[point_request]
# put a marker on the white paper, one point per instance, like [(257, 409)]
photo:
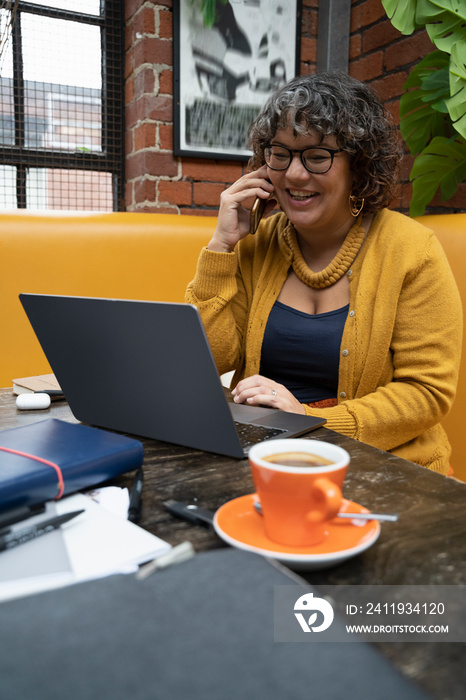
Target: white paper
[(96, 543)]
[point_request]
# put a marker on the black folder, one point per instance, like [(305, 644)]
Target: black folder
[(200, 630)]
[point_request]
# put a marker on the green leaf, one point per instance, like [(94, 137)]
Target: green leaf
[(402, 14), (434, 61), (422, 108), (441, 164), (444, 21), (435, 88), (456, 105), (419, 121)]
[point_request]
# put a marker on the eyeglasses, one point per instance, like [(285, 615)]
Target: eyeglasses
[(315, 160)]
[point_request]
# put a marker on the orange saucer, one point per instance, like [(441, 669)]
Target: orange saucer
[(238, 523)]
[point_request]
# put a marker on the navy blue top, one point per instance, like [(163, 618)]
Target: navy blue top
[(302, 351)]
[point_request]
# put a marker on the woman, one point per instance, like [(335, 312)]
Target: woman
[(336, 307)]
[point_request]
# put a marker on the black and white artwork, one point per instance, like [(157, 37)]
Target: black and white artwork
[(224, 73)]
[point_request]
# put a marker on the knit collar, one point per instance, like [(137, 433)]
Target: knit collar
[(336, 268)]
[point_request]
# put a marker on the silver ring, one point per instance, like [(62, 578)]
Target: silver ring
[(274, 393)]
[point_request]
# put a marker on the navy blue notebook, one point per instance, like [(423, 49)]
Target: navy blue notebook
[(51, 458)]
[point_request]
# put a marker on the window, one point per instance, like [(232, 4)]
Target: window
[(62, 104)]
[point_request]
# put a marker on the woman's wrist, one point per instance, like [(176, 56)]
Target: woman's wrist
[(218, 246)]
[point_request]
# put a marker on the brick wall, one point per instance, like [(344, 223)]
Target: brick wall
[(156, 180)]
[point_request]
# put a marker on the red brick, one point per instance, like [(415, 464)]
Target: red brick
[(308, 49), (144, 21), (379, 35), (128, 194), (390, 86), (393, 107), (165, 140), (156, 209), (309, 22), (153, 50), (131, 115), (354, 46), (131, 7), (159, 107), (366, 14), (129, 36), (144, 82), (206, 169), (144, 190), (129, 90), (199, 212), (165, 24), (145, 136), (367, 67), (129, 141), (406, 166), (207, 194), (175, 192), (149, 107), (456, 202), (166, 82), (150, 163), (406, 195), (307, 68), (129, 63), (408, 50)]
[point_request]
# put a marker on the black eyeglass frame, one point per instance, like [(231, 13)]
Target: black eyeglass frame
[(292, 151)]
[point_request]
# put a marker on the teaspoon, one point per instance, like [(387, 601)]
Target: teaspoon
[(352, 516)]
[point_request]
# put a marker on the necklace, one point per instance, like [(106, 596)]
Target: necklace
[(336, 268)]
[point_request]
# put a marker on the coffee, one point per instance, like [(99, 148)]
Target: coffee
[(298, 459)]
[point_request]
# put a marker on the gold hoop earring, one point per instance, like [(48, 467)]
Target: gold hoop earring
[(355, 205)]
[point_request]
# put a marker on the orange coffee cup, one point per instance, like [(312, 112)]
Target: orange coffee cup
[(300, 490)]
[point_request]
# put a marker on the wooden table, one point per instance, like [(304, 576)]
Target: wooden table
[(427, 546)]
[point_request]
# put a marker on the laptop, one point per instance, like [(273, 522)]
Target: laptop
[(146, 368)]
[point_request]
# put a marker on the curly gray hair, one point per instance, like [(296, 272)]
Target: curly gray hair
[(333, 103)]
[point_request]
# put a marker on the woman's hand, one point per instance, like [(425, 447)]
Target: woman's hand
[(257, 390), (233, 215)]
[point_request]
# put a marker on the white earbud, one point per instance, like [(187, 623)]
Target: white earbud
[(32, 402)]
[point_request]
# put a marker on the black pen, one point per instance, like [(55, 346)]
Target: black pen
[(15, 515), (135, 497), (13, 539)]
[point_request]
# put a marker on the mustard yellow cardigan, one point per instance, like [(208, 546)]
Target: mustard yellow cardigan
[(401, 344)]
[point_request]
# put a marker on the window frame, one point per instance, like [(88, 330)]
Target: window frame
[(111, 158)]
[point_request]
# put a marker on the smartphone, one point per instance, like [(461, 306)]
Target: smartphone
[(257, 212)]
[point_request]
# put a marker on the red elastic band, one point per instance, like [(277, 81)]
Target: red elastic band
[(61, 483)]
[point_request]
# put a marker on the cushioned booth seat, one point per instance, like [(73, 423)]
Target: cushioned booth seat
[(139, 256)]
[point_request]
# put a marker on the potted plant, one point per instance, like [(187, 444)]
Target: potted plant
[(433, 110)]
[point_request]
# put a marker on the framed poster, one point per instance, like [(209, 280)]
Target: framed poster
[(224, 73)]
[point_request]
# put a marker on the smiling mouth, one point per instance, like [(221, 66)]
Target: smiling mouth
[(299, 196)]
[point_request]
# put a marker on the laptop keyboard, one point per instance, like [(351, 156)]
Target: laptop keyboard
[(250, 434)]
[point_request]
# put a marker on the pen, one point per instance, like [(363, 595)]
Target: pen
[(13, 539), (15, 515), (135, 498)]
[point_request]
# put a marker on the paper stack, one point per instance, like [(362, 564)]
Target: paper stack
[(95, 544)]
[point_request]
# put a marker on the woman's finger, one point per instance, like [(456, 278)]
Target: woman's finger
[(258, 390)]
